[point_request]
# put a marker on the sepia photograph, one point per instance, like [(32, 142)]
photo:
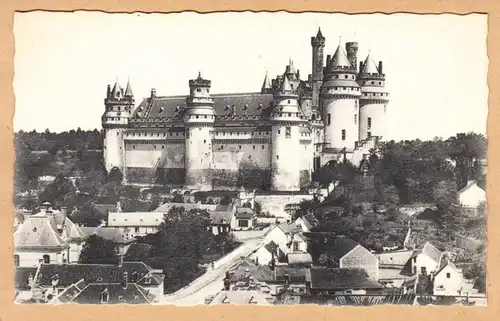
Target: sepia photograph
[(250, 158)]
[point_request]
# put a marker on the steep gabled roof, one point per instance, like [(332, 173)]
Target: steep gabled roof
[(117, 294), (432, 252), (342, 246)]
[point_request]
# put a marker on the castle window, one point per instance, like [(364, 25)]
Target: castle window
[(288, 132), (239, 146), (329, 119), (133, 146), (279, 131), (346, 76), (263, 146), (154, 146), (355, 119), (343, 134), (254, 147), (204, 141), (369, 122), (369, 134), (16, 260)]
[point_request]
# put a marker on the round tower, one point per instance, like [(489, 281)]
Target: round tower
[(286, 119), (373, 101), (339, 100), (318, 45), (199, 118), (119, 104)]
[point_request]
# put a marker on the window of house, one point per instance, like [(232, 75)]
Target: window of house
[(369, 122), (46, 259), (373, 82), (162, 146), (423, 270), (137, 230), (288, 100), (134, 277), (329, 119), (343, 134), (448, 275), (198, 90), (204, 141), (242, 223), (147, 279), (16, 260), (295, 246), (104, 296), (288, 132), (154, 146)]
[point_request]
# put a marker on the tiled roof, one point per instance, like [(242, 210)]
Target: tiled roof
[(432, 252), (241, 297), (289, 228), (165, 107), (92, 273), (112, 234), (339, 58), (369, 66), (299, 258), (243, 212), (37, 231), (297, 274), (135, 219), (22, 277), (310, 220), (326, 278), (398, 258), (259, 273), (117, 294)]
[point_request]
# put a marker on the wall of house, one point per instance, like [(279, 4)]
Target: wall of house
[(277, 236), (262, 256), (129, 232), (74, 252), (448, 286), (472, 197), (157, 291), (33, 258), (360, 257), (240, 162), (275, 204), (423, 260)]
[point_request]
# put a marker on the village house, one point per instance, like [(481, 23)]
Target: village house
[(245, 218), (349, 254), (424, 261), (265, 254), (450, 281), (49, 237), (51, 280), (391, 264), (307, 222), (299, 258), (288, 237), (471, 195)]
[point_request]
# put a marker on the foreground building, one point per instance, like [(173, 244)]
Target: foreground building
[(221, 141)]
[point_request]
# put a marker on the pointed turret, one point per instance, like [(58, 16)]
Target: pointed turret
[(340, 59), (285, 86), (319, 39), (128, 90), (117, 90), (369, 66), (266, 85)]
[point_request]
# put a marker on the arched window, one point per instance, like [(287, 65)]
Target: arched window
[(46, 259), (16, 260), (104, 296)]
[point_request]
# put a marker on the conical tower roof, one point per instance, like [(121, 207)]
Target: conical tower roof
[(340, 58), (128, 90), (285, 85), (369, 66), (116, 89), (319, 35), (267, 83)]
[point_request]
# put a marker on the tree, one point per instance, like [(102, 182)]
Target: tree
[(388, 195), (305, 207), (87, 215), (257, 207), (226, 200), (444, 194), (115, 176), (98, 250), (57, 190), (178, 198)]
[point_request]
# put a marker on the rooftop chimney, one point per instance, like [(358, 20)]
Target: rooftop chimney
[(153, 92), (380, 68), (124, 282)]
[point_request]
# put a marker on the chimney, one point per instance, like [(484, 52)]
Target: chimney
[(328, 58), (109, 91), (360, 66), (298, 74), (153, 92), (64, 211), (380, 68), (120, 260)]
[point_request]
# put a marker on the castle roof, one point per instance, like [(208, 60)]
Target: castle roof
[(116, 89), (285, 85), (128, 90), (165, 107), (369, 66), (319, 35), (267, 83), (339, 59), (38, 231)]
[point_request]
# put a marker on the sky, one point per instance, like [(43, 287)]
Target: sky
[(435, 65)]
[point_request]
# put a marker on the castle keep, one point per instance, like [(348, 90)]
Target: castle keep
[(272, 140)]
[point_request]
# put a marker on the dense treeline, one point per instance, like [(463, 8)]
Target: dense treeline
[(69, 140)]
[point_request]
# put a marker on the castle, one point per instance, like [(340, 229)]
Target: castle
[(271, 140)]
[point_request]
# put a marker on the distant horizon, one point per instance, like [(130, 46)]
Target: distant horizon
[(64, 61)]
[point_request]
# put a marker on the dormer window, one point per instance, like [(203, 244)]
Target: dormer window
[(147, 279)]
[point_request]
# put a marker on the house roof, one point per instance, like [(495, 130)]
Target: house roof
[(289, 228), (165, 107), (432, 252), (221, 217), (241, 297), (310, 221), (117, 294), (297, 274), (135, 218), (398, 258), (299, 258), (470, 184), (22, 277), (342, 246), (93, 273), (326, 278), (259, 273), (38, 231), (448, 263), (271, 247), (243, 212), (112, 234)]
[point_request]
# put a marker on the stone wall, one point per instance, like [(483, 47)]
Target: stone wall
[(275, 204)]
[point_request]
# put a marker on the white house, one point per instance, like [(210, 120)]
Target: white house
[(449, 281), (47, 237), (264, 254), (307, 222), (426, 260), (471, 195)]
